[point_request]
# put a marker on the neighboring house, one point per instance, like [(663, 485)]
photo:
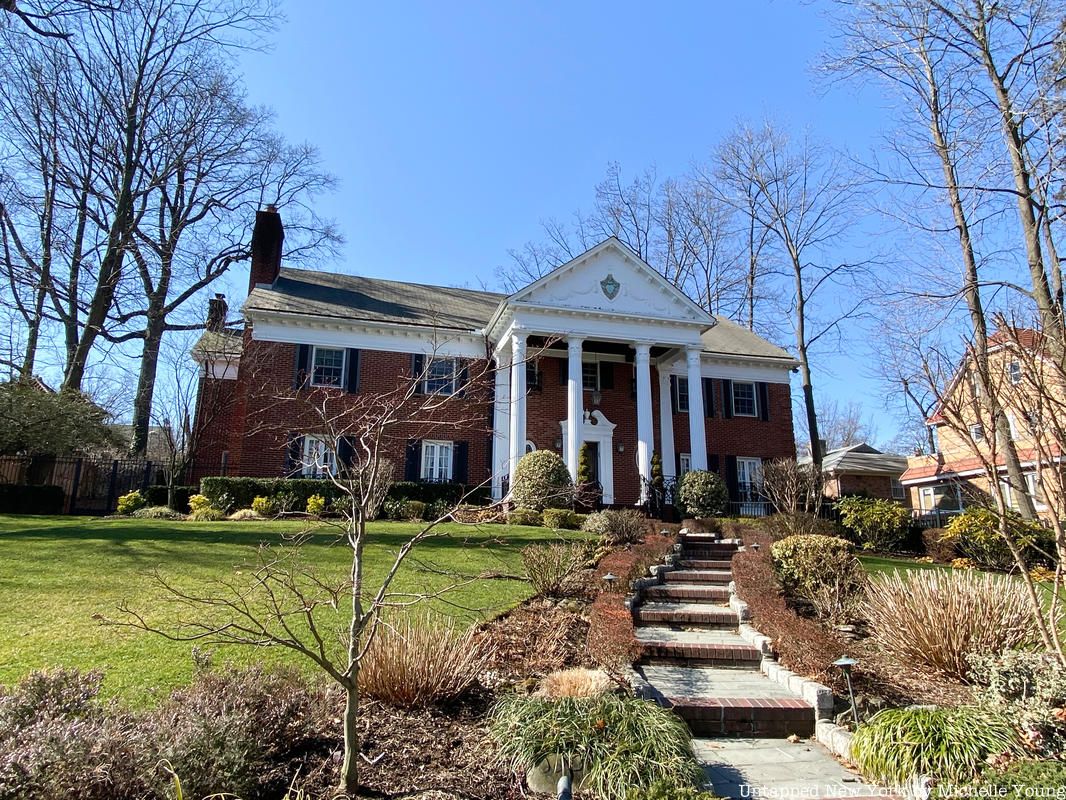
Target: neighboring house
[(157, 448), (601, 351), (862, 470), (944, 483)]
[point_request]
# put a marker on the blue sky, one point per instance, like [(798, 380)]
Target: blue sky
[(455, 128)]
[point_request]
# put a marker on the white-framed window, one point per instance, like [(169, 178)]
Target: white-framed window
[(940, 498), (684, 463), (744, 399), (977, 432), (899, 491), (749, 478), (442, 376), (682, 395), (1032, 486), (327, 366), (530, 447), (590, 376), (1014, 372), (317, 459), (436, 461)]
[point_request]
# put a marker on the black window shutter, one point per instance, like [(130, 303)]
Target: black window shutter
[(564, 371), (293, 451), (462, 379), (413, 456), (727, 399), (345, 452), (673, 394), (712, 463), (417, 365), (301, 375), (708, 397), (606, 375), (677, 463), (490, 457), (461, 462), (763, 394), (352, 382), (731, 478)]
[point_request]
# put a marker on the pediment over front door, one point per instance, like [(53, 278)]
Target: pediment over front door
[(612, 279)]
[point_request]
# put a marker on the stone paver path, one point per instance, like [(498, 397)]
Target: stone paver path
[(698, 664)]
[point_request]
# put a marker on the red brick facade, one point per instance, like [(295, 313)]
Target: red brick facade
[(263, 413)]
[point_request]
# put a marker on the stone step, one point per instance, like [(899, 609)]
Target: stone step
[(702, 614), (708, 648), (696, 563), (718, 576), (745, 716), (770, 767), (678, 592)]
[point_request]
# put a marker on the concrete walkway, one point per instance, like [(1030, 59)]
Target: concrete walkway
[(697, 663)]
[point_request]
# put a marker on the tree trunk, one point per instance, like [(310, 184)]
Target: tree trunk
[(142, 402), (349, 783)]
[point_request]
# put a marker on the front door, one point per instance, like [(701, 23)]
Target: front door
[(594, 460)]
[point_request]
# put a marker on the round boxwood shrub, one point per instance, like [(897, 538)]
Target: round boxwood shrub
[(702, 494), (524, 516), (541, 480), (822, 570), (560, 519)]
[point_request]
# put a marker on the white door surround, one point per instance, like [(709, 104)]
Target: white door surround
[(597, 428)]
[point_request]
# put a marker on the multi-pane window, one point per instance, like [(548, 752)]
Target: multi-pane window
[(682, 394), (1014, 372), (1032, 486), (436, 461), (685, 460), (940, 498), (977, 433), (744, 399), (317, 458), (590, 376), (899, 491), (327, 367), (749, 477), (441, 376)]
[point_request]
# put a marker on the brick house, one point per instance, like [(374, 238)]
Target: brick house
[(860, 469), (942, 484), (601, 352)]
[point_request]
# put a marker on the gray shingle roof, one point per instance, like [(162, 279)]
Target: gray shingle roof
[(328, 294), (861, 459), (727, 337)]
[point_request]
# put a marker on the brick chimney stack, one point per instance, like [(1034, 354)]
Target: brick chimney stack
[(217, 308), (268, 235)]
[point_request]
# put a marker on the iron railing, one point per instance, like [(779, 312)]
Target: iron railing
[(90, 485)]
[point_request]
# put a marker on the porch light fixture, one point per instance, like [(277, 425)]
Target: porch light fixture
[(558, 444), (621, 447), (596, 397), (845, 664)]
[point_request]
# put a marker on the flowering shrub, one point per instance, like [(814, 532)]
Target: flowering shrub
[(198, 502), (130, 502), (541, 480), (265, 506), (316, 505), (702, 494)]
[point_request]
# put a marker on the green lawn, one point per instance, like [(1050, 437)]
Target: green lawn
[(878, 564), (59, 576)]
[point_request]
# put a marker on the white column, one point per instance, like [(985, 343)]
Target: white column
[(697, 425), (574, 410), (666, 425), (518, 399), (645, 431), (501, 422)]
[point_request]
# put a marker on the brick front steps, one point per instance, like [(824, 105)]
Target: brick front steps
[(695, 662)]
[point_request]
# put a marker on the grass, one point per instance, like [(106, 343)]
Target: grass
[(61, 576), (875, 565)]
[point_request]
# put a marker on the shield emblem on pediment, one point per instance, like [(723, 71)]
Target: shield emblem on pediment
[(610, 286)]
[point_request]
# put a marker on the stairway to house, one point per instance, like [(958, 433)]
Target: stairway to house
[(697, 663)]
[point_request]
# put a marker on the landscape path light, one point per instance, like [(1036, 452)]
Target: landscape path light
[(845, 663)]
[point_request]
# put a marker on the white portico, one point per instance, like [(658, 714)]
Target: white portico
[(610, 297)]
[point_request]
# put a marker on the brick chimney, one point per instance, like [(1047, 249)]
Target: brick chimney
[(217, 308), (267, 238)]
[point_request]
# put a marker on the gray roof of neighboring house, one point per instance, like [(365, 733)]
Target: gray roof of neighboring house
[(328, 294), (861, 459), (226, 343)]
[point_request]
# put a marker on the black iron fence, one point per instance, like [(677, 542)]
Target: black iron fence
[(90, 485)]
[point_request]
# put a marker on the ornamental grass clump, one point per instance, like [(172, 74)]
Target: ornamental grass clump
[(422, 661), (951, 745), (935, 619), (622, 743), (550, 567)]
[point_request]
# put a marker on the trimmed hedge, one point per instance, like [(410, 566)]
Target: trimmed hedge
[(236, 493), (16, 499)]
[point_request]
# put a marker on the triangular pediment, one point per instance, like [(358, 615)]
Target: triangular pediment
[(611, 278)]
